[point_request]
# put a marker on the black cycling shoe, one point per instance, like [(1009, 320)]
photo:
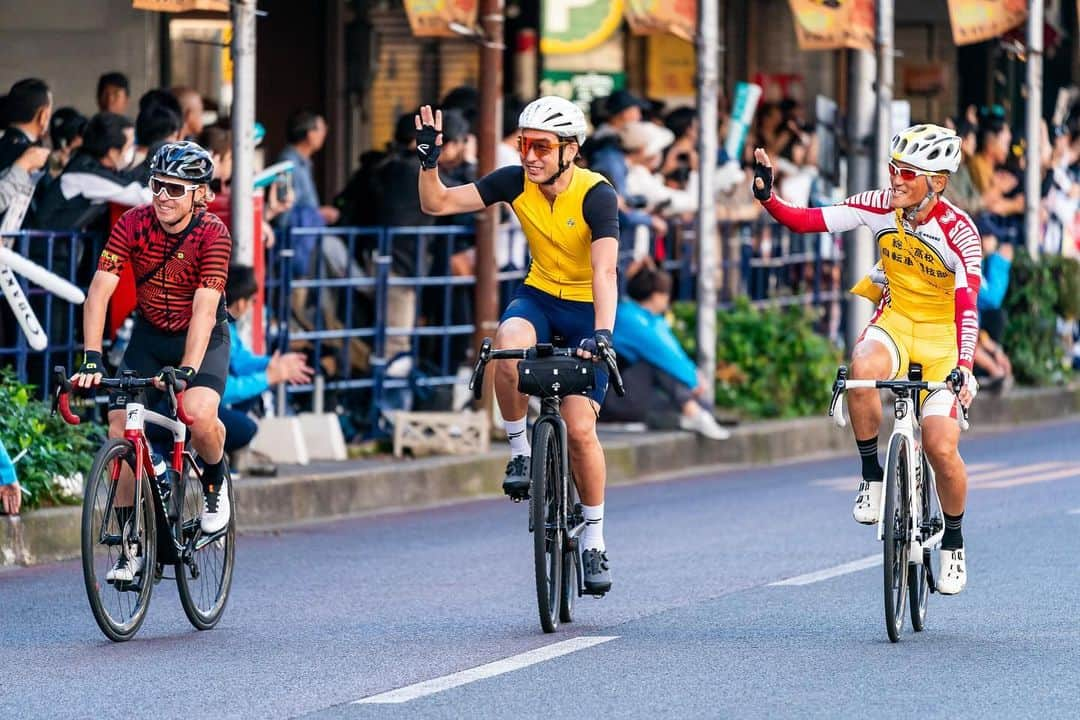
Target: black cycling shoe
[(597, 572), (517, 481)]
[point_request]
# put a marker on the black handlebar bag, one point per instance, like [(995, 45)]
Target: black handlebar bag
[(556, 376)]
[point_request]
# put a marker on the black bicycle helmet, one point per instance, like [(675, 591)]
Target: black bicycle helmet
[(184, 161)]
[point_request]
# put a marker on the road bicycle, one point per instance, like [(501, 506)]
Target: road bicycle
[(555, 515), (162, 524), (911, 523)]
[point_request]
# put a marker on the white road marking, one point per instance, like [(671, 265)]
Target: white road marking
[(1074, 512), (853, 566), (1068, 472), (851, 482), (1016, 470), (482, 672)]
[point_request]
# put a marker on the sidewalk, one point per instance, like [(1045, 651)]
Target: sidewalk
[(326, 491)]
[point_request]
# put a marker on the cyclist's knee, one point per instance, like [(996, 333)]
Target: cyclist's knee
[(939, 442), (117, 420), (202, 408), (515, 333), (871, 361), (580, 430)]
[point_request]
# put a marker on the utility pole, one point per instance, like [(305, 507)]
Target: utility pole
[(491, 85), (1033, 172), (708, 76), (243, 129), (885, 56), (859, 251)]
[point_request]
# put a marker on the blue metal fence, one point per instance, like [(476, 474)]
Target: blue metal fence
[(338, 293)]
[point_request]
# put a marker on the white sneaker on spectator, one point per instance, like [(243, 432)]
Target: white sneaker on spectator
[(703, 423), (400, 368)]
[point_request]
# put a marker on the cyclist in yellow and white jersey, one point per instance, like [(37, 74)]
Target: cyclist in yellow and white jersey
[(931, 256), (570, 218)]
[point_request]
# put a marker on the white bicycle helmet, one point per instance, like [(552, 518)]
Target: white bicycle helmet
[(557, 115), (927, 147)]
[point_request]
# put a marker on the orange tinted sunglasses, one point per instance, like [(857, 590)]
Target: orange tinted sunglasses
[(908, 174), (542, 148)]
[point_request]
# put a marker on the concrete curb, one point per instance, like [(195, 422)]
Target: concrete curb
[(53, 534)]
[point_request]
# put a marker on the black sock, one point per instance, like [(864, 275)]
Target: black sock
[(871, 468), (212, 472), (953, 539)]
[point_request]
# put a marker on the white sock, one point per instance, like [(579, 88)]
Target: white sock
[(519, 438), (593, 537)]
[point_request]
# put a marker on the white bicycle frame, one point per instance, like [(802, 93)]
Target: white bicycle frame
[(904, 412)]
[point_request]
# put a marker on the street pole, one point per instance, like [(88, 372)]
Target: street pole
[(885, 56), (708, 76), (243, 129), (1033, 172), (859, 246), (491, 109)]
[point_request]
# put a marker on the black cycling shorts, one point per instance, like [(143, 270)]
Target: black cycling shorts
[(151, 349)]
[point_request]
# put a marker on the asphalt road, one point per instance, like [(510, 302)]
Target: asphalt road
[(440, 603)]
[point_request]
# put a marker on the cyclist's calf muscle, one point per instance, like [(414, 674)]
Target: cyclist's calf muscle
[(941, 441)]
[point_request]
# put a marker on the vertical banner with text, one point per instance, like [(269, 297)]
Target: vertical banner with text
[(977, 20)]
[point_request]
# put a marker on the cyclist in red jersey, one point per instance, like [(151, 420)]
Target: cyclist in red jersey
[(179, 254)]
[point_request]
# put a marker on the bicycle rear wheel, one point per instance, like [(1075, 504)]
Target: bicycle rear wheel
[(571, 575), (545, 499), (119, 608), (918, 582), (204, 573), (895, 536)]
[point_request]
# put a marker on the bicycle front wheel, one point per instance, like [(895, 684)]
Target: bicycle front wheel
[(918, 581), (204, 573), (571, 575), (545, 498), (895, 536), (119, 607)]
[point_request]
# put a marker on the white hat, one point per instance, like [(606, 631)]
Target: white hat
[(647, 136)]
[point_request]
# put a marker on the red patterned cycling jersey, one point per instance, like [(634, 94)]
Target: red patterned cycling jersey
[(168, 268)]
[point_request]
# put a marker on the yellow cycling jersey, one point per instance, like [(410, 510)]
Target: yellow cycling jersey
[(560, 233)]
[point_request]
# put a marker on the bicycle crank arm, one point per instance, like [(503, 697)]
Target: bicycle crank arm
[(930, 581)]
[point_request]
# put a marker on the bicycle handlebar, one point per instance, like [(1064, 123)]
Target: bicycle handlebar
[(64, 389), (541, 350), (954, 382)]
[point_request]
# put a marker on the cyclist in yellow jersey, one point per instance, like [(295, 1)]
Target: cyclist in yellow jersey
[(931, 256), (570, 219)]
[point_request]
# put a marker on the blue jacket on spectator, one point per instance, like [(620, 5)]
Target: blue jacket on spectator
[(7, 468), (995, 282), (247, 372), (643, 336), (303, 181)]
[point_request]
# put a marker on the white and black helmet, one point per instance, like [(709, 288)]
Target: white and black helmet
[(556, 115), (928, 147)]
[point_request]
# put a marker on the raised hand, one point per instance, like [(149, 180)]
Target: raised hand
[(763, 176), (429, 137)]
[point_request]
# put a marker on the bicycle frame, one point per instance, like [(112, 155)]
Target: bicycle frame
[(549, 413)]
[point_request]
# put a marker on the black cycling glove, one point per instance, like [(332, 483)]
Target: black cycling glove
[(426, 148), (91, 364), (764, 172), (184, 375), (592, 345)]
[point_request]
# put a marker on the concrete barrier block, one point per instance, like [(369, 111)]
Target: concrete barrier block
[(323, 436), (282, 440)]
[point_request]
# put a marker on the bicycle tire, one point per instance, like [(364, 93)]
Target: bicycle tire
[(117, 614), (203, 595), (544, 499), (895, 523), (918, 582), (571, 575)]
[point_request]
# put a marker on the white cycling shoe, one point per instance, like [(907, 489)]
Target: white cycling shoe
[(953, 573), (127, 566), (867, 502)]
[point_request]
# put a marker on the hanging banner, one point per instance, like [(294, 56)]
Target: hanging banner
[(175, 6), (569, 27), (977, 20), (655, 17), (672, 67), (432, 18), (835, 25)]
